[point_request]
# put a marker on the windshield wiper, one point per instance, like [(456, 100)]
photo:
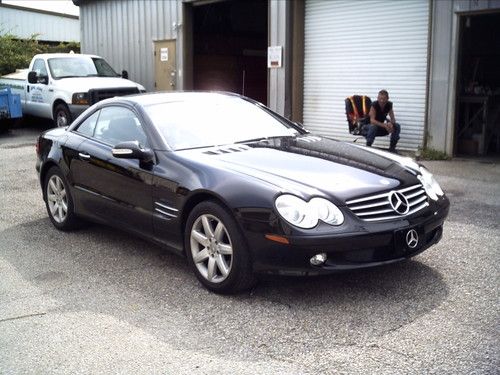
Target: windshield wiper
[(253, 140), (71, 77), (265, 138)]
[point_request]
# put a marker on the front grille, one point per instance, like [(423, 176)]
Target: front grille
[(378, 207), (97, 95)]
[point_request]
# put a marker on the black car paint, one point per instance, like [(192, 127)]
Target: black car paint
[(130, 195)]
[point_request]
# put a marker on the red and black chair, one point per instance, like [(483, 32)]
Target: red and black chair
[(357, 109)]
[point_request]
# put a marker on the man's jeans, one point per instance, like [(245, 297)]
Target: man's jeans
[(377, 131)]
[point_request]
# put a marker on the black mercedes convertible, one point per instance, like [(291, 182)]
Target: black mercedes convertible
[(236, 188)]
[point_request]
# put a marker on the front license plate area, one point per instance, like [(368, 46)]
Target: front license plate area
[(409, 240)]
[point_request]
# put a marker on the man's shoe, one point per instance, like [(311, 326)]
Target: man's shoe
[(392, 147)]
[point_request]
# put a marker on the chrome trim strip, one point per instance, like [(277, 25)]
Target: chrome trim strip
[(369, 205), (375, 212), (418, 200), (398, 217), (385, 195), (418, 208), (420, 192), (166, 207), (165, 213), (410, 188)]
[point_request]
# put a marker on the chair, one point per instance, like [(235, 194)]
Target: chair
[(357, 109)]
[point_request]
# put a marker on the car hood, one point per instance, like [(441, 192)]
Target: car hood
[(313, 165), (84, 84)]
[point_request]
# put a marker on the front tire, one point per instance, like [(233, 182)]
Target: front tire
[(59, 201), (62, 116), (216, 249)]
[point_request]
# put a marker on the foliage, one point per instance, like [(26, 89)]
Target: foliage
[(431, 154), (62, 47), (17, 53)]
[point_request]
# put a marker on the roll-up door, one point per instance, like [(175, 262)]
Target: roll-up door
[(361, 47)]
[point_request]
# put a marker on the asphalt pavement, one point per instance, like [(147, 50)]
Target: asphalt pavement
[(102, 301)]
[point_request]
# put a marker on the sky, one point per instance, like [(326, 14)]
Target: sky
[(61, 6)]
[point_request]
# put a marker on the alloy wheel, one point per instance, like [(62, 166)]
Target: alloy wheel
[(211, 248), (57, 199)]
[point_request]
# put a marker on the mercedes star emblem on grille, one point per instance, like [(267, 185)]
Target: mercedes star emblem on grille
[(412, 238), (399, 203)]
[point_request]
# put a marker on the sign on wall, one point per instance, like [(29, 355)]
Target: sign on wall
[(274, 56), (164, 54)]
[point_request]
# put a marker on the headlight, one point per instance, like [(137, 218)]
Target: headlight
[(431, 186), (307, 214), (81, 98)]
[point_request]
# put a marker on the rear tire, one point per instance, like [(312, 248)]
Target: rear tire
[(59, 201), (62, 116), (216, 249)]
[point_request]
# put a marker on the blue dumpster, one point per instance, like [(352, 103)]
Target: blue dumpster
[(10, 104)]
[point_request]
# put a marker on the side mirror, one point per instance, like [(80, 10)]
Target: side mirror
[(32, 77), (132, 150), (124, 74)]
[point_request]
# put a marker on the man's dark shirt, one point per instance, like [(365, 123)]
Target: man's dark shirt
[(379, 114)]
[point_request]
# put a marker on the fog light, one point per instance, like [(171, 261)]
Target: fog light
[(318, 259)]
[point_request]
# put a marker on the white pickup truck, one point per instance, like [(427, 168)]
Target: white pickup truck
[(60, 86)]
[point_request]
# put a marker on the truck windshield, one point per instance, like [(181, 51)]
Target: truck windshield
[(66, 67)]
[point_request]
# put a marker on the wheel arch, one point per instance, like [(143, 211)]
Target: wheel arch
[(55, 104), (197, 198)]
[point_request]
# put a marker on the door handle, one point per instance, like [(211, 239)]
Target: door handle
[(84, 156)]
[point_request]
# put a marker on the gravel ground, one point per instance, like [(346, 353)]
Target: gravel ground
[(99, 300)]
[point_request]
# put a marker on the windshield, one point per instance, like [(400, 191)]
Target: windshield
[(213, 121), (79, 66)]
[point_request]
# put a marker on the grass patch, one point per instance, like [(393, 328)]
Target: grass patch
[(431, 154)]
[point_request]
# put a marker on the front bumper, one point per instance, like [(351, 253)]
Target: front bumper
[(371, 245)]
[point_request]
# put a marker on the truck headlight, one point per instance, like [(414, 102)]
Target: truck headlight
[(430, 184), (80, 98), (306, 215)]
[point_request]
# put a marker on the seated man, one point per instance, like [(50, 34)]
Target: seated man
[(379, 125)]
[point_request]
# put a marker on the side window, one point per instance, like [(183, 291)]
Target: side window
[(119, 124), (88, 126), (39, 67)]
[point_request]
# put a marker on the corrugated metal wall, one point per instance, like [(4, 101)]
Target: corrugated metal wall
[(53, 28), (359, 48), (123, 33)]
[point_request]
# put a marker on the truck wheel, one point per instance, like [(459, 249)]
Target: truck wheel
[(62, 116)]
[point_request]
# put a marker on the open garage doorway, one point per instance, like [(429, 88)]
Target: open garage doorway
[(229, 44), (477, 127)]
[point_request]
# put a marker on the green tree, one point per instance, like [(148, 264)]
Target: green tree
[(17, 53)]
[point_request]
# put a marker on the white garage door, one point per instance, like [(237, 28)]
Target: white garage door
[(361, 47)]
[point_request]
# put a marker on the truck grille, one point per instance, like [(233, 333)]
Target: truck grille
[(101, 94), (394, 204)]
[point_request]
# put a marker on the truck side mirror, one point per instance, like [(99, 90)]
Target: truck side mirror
[(32, 77), (124, 74)]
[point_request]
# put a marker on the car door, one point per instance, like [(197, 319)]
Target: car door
[(117, 191), (38, 95)]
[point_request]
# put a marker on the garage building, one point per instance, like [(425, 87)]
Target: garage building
[(436, 58)]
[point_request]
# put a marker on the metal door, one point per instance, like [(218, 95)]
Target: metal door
[(165, 69)]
